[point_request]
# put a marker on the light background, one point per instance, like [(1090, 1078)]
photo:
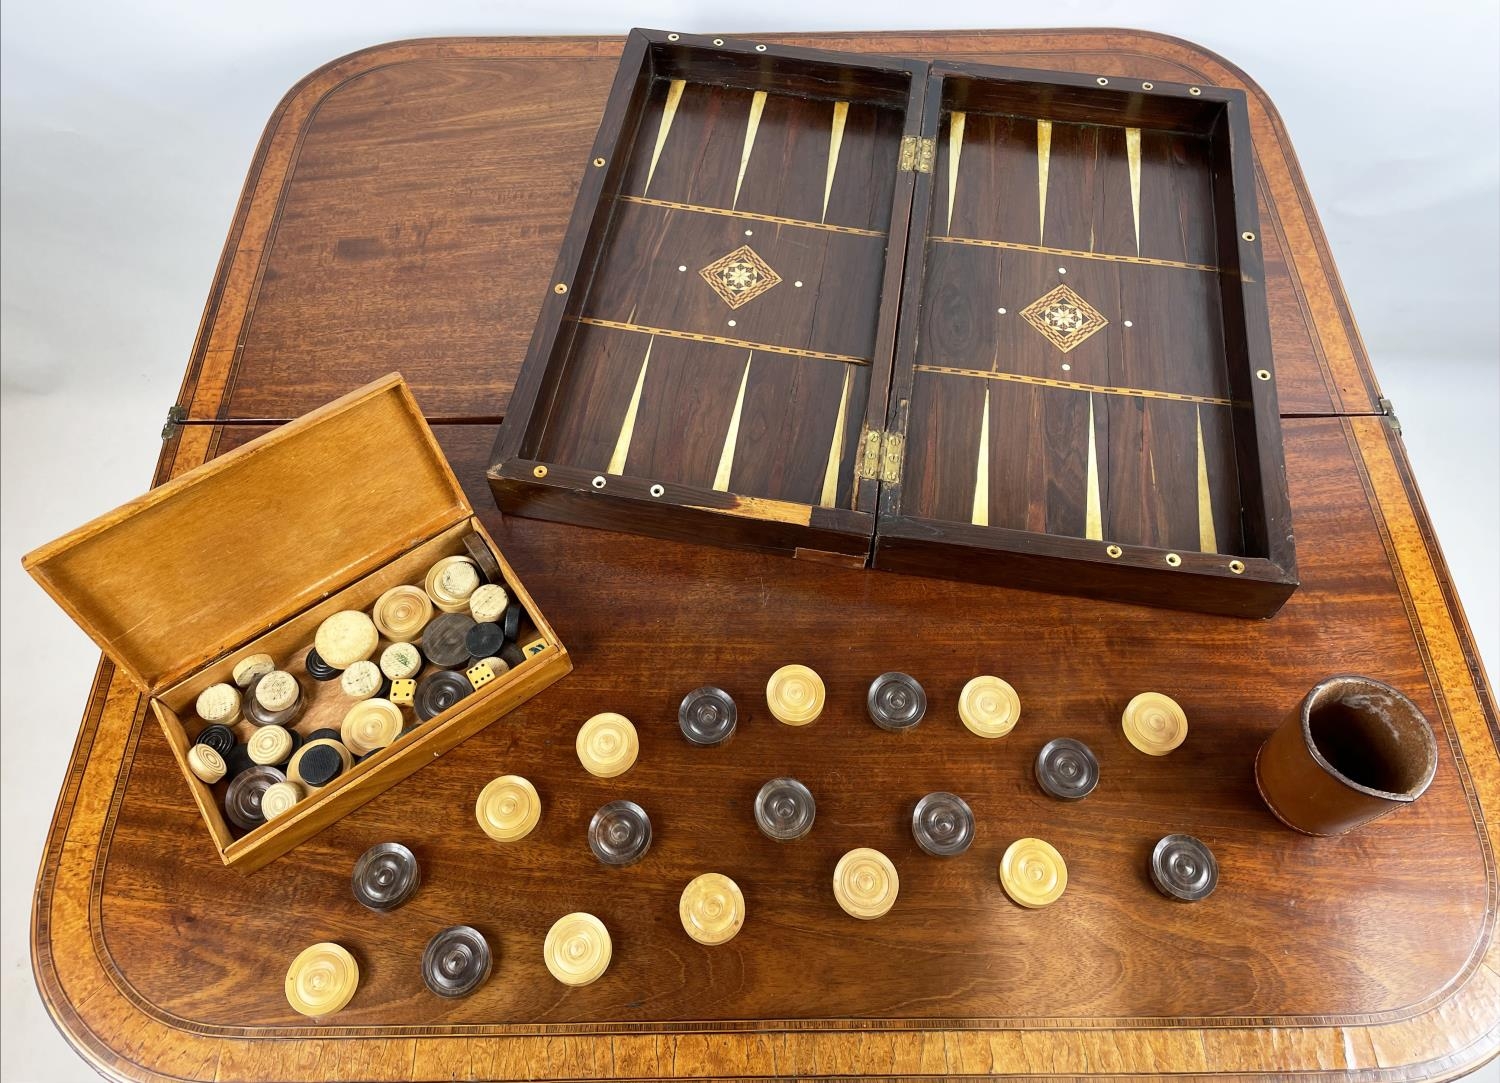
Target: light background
[(127, 129)]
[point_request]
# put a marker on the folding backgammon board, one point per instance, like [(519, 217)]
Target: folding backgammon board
[(996, 324)]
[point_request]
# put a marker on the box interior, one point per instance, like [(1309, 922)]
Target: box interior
[(327, 704), (1073, 374), (740, 248)]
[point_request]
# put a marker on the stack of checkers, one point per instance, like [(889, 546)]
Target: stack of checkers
[(279, 730)]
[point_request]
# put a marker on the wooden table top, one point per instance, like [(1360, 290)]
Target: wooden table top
[(402, 212)]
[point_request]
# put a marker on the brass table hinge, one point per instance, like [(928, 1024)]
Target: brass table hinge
[(175, 416), (917, 154), (880, 457), (1384, 405)]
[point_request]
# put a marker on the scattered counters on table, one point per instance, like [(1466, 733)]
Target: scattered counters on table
[(577, 950), (795, 695), (1066, 769), (865, 883), (707, 716), (712, 908), (1033, 873), (989, 707), (456, 961), (385, 877), (1183, 868), (895, 701), (943, 824), (1154, 723), (322, 980), (607, 745), (784, 809), (620, 833), (508, 808)]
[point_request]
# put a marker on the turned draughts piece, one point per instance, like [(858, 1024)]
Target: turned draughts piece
[(219, 703), (795, 695), (488, 603), (361, 680), (707, 716), (577, 949), (449, 583), (370, 724), (279, 799), (403, 691), (712, 908), (620, 833), (218, 737), (1182, 867), (484, 640), (321, 980), (1067, 769), (438, 691), (1033, 873), (865, 883), (402, 612), (400, 661), (271, 745), (607, 745), (784, 809), (1154, 723), (943, 824), (277, 691), (989, 707), (318, 669), (479, 552), (206, 763), (445, 640), (251, 667), (242, 801), (508, 808), (317, 763), (456, 961), (510, 624), (895, 701), (346, 638), (385, 876)]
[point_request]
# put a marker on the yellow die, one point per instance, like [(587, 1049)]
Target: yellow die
[(536, 646), (480, 674), (402, 691)]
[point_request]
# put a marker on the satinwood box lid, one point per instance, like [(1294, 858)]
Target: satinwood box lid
[(202, 564)]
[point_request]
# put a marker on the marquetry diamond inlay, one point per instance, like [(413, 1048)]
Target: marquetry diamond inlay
[(740, 277), (1064, 318)]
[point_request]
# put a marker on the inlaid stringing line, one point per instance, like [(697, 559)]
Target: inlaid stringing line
[(691, 336), (980, 516), (751, 215), (830, 493), (1076, 253), (752, 125), (1069, 385), (732, 435), (627, 427), (1133, 157), (668, 114), (1208, 541), (955, 148), (835, 141), (1043, 161), (1093, 519)]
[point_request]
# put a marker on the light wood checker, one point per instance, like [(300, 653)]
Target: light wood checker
[(1375, 591)]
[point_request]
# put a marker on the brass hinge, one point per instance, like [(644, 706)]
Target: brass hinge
[(175, 415), (880, 458), (1390, 414), (917, 154)]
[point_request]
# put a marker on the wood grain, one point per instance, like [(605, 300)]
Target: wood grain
[(1368, 957)]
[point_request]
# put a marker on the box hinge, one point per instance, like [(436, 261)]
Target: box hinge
[(1384, 405), (880, 457), (917, 154), (175, 416)]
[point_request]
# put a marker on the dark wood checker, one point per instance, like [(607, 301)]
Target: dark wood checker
[(1370, 956)]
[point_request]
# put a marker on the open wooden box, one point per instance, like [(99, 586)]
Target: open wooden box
[(983, 323), (250, 552)]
